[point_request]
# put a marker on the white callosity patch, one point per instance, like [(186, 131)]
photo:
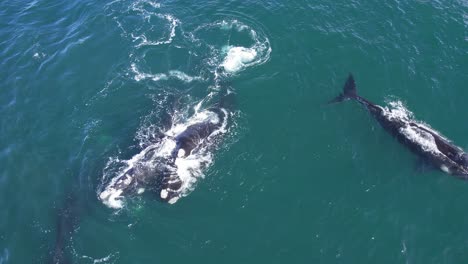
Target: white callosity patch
[(187, 169)]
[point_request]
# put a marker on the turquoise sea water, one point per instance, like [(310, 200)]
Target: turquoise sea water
[(85, 85)]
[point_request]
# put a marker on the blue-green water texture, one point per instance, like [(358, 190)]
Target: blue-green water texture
[(92, 89)]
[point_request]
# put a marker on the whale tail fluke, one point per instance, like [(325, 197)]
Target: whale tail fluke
[(349, 91)]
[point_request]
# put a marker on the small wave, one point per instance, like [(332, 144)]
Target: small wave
[(74, 43)]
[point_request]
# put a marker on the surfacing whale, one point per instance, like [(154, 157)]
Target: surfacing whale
[(158, 167), (418, 137)]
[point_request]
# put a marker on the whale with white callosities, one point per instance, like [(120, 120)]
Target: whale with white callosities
[(170, 165), (418, 137)]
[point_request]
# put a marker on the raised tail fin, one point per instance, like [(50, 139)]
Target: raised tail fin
[(349, 91)]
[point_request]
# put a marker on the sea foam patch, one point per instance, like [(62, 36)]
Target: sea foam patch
[(397, 111), (238, 58), (144, 22), (232, 53), (145, 41), (173, 74)]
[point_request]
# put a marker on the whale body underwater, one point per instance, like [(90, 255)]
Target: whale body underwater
[(422, 140)]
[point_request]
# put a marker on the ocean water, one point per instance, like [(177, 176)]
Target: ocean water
[(87, 87)]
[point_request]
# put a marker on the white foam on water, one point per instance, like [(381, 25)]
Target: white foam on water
[(105, 259), (143, 76), (143, 31), (153, 4), (139, 5), (231, 58), (225, 24), (183, 76), (173, 74), (397, 111), (230, 24), (39, 55), (173, 22), (238, 58), (188, 169), (112, 198)]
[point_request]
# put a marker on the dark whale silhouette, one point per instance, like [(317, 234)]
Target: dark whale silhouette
[(67, 220), (189, 140), (161, 176), (419, 138), (194, 134)]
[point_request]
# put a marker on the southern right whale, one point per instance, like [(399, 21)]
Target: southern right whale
[(170, 164), (156, 168), (193, 135), (418, 137)]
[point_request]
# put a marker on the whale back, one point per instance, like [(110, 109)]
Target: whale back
[(464, 159)]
